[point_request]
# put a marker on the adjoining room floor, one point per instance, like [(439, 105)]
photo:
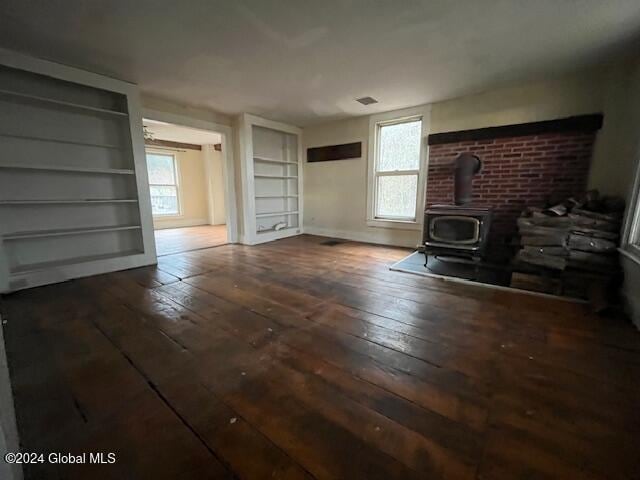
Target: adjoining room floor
[(295, 359), (185, 239)]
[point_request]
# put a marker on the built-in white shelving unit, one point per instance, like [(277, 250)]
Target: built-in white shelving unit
[(66, 231), (60, 103), (62, 168), (73, 187), (71, 201), (276, 176), (44, 266), (276, 214), (276, 196), (273, 160), (272, 179), (60, 140)]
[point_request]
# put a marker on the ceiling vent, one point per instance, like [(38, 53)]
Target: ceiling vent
[(366, 100)]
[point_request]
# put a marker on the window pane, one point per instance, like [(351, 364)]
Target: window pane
[(396, 196), (164, 200), (399, 146), (161, 169)]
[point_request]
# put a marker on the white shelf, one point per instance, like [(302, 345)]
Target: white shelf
[(275, 214), (75, 106), (33, 267), (272, 170), (276, 196), (71, 197), (68, 202), (66, 142), (58, 168), (276, 176), (267, 230), (273, 160), (67, 231)]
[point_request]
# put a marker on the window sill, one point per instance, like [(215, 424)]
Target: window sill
[(631, 252), (397, 224)]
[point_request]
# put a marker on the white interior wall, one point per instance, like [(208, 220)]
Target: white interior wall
[(8, 431), (238, 158), (629, 145), (213, 162)]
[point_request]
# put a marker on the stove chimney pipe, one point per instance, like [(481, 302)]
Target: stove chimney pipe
[(466, 166)]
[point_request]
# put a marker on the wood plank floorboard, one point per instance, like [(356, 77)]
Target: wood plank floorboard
[(299, 360)]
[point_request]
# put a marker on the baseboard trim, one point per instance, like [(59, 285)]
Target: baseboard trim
[(377, 236)]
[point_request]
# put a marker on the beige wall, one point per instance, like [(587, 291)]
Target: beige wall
[(213, 161), (217, 179), (616, 147), (237, 164), (566, 96), (335, 192), (193, 191)]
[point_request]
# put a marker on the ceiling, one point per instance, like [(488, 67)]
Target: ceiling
[(306, 61), (176, 133)]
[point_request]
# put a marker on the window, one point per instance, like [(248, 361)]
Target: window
[(397, 169), (163, 184), (396, 155), (631, 231)]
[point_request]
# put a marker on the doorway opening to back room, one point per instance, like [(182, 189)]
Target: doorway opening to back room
[(187, 187)]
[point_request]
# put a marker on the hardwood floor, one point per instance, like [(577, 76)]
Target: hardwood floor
[(185, 239), (296, 359)]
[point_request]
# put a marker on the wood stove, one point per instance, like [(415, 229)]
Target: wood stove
[(461, 229), (457, 230)]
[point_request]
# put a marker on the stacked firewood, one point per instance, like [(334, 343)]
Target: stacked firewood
[(578, 233), (571, 249)]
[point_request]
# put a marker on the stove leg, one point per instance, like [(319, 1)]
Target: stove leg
[(426, 259), (476, 264)]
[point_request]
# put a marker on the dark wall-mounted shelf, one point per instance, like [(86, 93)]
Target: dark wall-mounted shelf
[(334, 152), (580, 123)]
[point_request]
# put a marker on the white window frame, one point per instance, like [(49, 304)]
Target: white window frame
[(176, 175), (376, 121), (630, 246)]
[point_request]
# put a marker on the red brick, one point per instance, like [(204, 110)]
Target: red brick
[(517, 171)]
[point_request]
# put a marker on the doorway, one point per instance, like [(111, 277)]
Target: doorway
[(189, 185)]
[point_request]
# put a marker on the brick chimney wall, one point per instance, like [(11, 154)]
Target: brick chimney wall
[(517, 172)]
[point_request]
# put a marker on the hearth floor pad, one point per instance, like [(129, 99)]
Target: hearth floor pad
[(448, 266), (462, 270)]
